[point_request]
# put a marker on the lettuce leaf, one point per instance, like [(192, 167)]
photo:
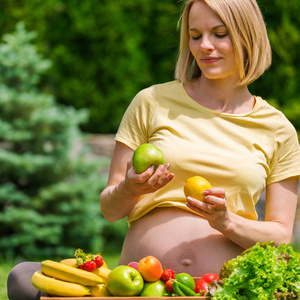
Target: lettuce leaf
[(261, 272)]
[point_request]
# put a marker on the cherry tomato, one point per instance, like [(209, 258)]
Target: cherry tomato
[(90, 266), (167, 274), (169, 286), (99, 261)]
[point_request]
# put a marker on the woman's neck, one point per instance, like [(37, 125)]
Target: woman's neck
[(221, 95)]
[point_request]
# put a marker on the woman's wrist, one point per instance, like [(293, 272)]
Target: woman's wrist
[(124, 189)]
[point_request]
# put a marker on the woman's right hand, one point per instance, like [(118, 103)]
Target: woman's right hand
[(147, 182), (124, 186)]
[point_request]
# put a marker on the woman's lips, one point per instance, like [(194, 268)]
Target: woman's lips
[(210, 60)]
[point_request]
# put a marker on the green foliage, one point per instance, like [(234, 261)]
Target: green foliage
[(280, 84), (104, 52), (49, 200)]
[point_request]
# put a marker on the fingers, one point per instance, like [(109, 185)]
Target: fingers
[(214, 201), (217, 192), (161, 177), (149, 181), (210, 208)]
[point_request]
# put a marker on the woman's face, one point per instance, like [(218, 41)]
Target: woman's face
[(210, 43)]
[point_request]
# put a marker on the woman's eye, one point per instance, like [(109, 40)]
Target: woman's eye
[(221, 35), (196, 38)]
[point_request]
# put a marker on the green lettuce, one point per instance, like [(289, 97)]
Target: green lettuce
[(262, 272)]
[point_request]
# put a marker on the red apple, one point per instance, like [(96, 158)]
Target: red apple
[(134, 264)]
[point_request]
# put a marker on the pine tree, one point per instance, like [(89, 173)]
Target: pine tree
[(49, 200)]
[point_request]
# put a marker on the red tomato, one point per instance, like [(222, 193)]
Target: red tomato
[(201, 285), (169, 286), (209, 277)]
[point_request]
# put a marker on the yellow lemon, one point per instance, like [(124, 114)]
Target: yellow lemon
[(145, 156), (195, 186)]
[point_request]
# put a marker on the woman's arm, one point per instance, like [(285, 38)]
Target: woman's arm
[(281, 204), (124, 186)]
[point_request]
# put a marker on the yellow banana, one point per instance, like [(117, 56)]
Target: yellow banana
[(102, 272), (69, 261), (100, 290), (57, 287), (68, 273)]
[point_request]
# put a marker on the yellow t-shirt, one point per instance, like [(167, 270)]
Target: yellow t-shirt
[(241, 153)]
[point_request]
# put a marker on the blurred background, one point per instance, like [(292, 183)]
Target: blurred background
[(68, 71)]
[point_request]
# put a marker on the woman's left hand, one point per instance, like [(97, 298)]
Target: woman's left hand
[(214, 207)]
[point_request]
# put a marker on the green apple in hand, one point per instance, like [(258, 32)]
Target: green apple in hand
[(154, 289), (145, 156), (124, 281)]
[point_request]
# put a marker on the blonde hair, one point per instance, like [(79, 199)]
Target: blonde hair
[(248, 33)]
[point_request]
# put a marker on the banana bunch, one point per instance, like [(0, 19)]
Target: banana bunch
[(65, 279)]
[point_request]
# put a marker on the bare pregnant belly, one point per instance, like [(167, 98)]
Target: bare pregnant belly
[(180, 240)]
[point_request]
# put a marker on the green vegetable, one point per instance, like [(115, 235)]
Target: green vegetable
[(182, 290), (186, 279), (262, 272)]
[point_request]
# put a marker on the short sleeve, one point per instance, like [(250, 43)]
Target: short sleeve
[(135, 124), (286, 160)]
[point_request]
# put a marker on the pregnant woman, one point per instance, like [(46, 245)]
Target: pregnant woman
[(207, 123)]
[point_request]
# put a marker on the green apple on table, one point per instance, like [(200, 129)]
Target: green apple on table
[(154, 289), (124, 281)]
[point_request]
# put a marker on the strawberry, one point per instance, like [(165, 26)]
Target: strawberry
[(90, 266), (99, 261), (167, 274), (169, 286)]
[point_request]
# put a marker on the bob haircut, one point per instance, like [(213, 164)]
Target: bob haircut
[(246, 27)]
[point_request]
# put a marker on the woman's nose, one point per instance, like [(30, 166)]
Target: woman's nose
[(206, 44)]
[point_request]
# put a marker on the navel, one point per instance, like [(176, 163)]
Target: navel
[(186, 262)]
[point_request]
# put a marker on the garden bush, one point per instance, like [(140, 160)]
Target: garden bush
[(49, 199)]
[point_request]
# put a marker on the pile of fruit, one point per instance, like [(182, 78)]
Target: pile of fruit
[(260, 272), (84, 275), (89, 275)]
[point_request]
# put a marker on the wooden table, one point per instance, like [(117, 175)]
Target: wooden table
[(125, 298)]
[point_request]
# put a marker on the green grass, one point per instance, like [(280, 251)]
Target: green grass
[(7, 265)]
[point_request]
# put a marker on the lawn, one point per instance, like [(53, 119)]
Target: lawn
[(6, 266)]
